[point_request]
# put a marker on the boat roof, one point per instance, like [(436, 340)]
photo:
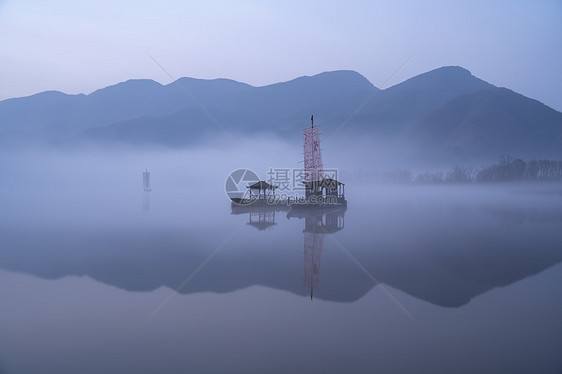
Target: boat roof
[(261, 185)]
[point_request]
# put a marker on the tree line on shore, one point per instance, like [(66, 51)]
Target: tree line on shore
[(508, 169)]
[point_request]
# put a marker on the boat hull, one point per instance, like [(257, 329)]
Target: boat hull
[(300, 202)]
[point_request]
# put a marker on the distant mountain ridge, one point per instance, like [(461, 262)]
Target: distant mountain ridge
[(403, 104), (444, 114), (491, 122)]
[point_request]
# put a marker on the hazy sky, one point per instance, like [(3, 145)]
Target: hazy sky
[(80, 46)]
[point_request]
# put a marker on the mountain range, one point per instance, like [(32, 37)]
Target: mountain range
[(444, 114)]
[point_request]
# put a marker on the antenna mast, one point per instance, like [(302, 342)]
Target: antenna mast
[(313, 167)]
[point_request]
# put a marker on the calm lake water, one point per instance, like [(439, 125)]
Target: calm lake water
[(405, 280)]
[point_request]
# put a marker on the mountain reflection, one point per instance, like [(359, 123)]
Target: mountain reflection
[(445, 254)]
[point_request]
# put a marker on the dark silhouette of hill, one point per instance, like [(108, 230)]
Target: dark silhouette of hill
[(179, 129), (400, 106), (285, 108), (147, 108), (278, 108), (54, 115), (446, 114), (487, 123)]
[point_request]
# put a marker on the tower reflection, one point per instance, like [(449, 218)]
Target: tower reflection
[(317, 224), (146, 201)]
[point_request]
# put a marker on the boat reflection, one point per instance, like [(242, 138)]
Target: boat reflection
[(260, 217), (317, 224)]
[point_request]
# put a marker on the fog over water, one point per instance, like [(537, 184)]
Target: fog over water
[(97, 275)]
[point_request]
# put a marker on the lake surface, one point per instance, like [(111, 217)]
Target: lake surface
[(406, 279)]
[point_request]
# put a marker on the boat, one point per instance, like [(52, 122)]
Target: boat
[(321, 188)]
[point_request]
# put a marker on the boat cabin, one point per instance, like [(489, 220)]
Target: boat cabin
[(328, 188), (258, 187)]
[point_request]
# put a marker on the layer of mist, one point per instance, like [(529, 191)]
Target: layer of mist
[(85, 212)]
